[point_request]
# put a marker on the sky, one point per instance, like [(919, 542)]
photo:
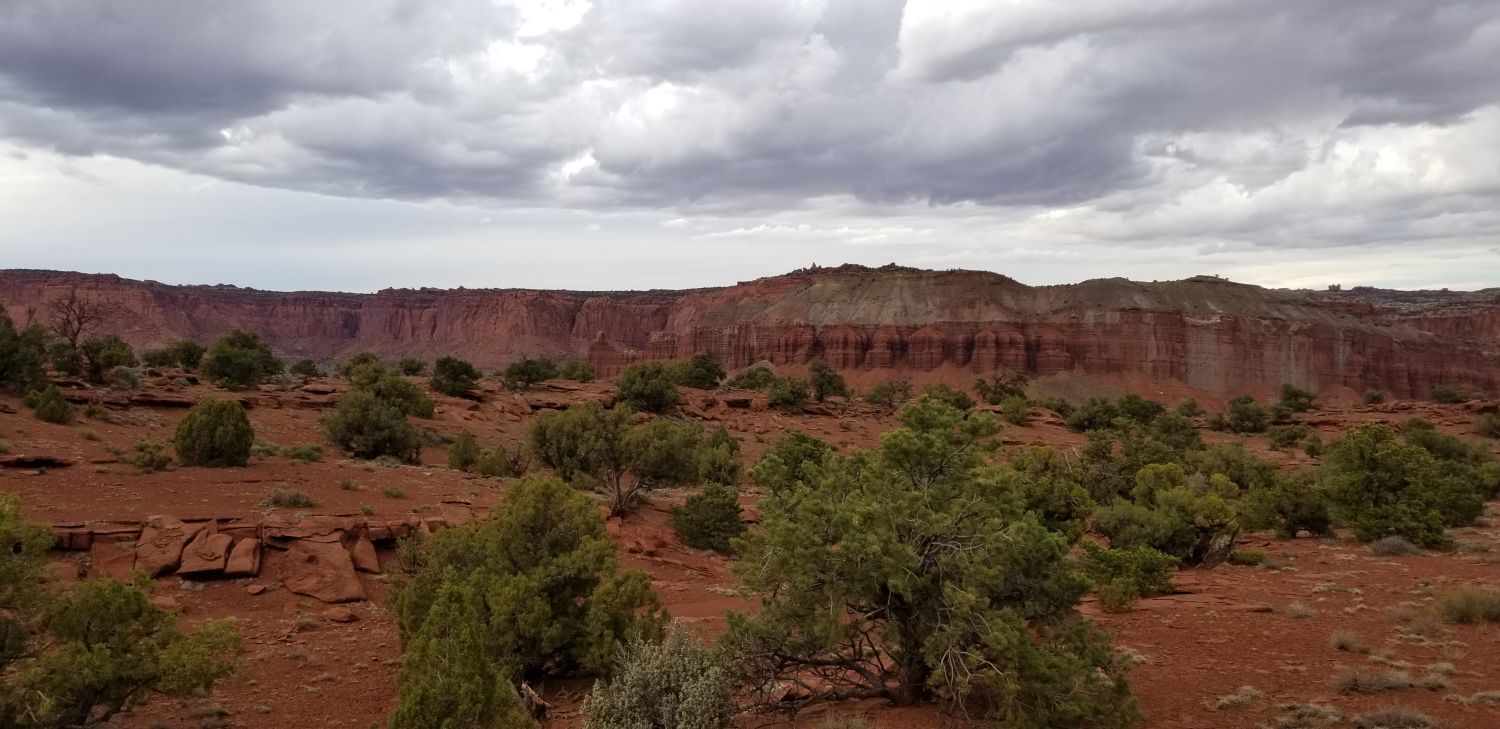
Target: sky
[(626, 144)]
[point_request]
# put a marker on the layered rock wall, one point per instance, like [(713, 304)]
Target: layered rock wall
[(1206, 333)]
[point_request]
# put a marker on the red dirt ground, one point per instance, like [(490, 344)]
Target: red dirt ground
[(1229, 627)]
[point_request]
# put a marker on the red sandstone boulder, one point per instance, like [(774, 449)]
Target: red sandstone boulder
[(244, 559), (159, 551), (205, 554), (364, 557), (323, 571)]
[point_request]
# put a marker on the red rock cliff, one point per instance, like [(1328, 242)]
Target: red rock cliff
[(1206, 333)]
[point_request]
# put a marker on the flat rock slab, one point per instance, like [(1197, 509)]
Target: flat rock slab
[(323, 571), (112, 559), (159, 551), (34, 461), (205, 554), (244, 559)]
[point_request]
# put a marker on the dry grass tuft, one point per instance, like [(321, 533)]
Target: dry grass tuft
[(1469, 604), (1357, 680), (1242, 697), (1348, 642)]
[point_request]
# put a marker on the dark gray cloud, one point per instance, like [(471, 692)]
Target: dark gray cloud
[(1274, 123)]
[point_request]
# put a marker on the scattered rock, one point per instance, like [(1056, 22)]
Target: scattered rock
[(255, 588), (340, 614)]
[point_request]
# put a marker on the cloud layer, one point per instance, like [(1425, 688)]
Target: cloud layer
[(1156, 124)]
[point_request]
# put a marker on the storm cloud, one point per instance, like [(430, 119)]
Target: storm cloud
[(1218, 125)]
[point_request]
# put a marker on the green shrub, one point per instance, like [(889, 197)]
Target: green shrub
[(1047, 479), (1126, 575), (604, 450), (149, 457), (1186, 518), (833, 560), (1245, 415), (1449, 396), (1469, 604), (411, 366), (787, 393), (649, 387), (287, 498), (1096, 414), (77, 654), (1057, 405), (453, 376), (1288, 506), (1296, 400), (699, 371), (1374, 397), (215, 433), (719, 458), (463, 453), (1393, 547), (395, 492), (524, 373), (23, 354), (359, 361), (1313, 446), (710, 519), (674, 684), (532, 592), (304, 452), (791, 462), (1247, 558), (102, 354), (306, 368), (758, 377), (1190, 408), (1287, 436), (392, 389), (369, 426), (950, 396), (891, 393), (126, 378), (1381, 487), (240, 360), (1002, 389), (1017, 411), (825, 382), (1488, 425), (497, 462), (50, 406), (578, 370)]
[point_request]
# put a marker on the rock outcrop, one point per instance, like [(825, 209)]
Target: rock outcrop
[(1204, 332)]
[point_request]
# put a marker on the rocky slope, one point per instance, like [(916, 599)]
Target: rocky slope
[(1205, 333)]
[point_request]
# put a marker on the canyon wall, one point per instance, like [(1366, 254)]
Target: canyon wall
[(1205, 333)]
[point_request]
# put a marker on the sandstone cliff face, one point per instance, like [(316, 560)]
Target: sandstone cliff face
[(1206, 333)]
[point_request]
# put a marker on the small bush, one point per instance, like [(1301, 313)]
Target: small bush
[(464, 452), (825, 382), (411, 366), (1017, 411), (1374, 397), (306, 368), (453, 376), (1488, 425), (1348, 642), (395, 492), (349, 484), (1295, 399), (149, 457), (1449, 396), (50, 406), (94, 410), (1313, 446), (674, 684), (1245, 696), (522, 374), (1245, 415), (240, 360), (1393, 547), (1247, 558), (216, 433), (1358, 680), (368, 426), (950, 396), (787, 393), (649, 387), (710, 519), (580, 370), (891, 393), (698, 371), (1126, 575), (1287, 436), (754, 378), (1394, 717), (1469, 604), (304, 452), (497, 462), (287, 498), (1298, 610)]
